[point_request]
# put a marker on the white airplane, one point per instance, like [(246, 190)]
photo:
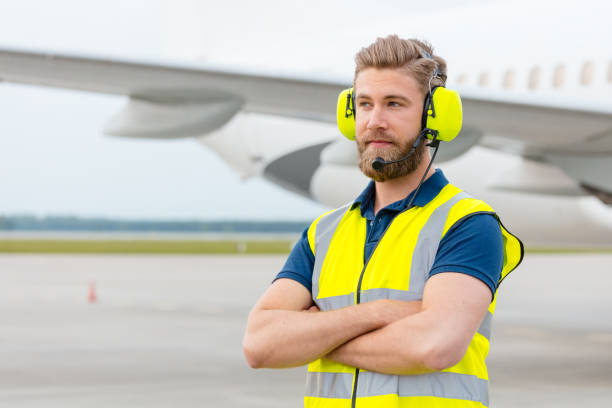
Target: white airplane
[(537, 93)]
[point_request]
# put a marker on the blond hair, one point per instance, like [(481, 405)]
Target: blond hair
[(408, 55)]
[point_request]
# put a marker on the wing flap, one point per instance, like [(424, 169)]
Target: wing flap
[(150, 119)]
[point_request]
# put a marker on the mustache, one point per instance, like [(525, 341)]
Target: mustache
[(378, 136)]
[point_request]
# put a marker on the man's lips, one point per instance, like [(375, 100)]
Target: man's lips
[(379, 143)]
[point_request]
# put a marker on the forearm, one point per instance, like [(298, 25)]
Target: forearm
[(407, 346), (282, 338), (433, 339)]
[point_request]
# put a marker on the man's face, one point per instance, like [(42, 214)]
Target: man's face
[(388, 119)]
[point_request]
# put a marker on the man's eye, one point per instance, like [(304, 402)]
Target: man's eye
[(393, 103), (364, 103)]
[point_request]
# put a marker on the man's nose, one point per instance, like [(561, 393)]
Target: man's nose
[(377, 119)]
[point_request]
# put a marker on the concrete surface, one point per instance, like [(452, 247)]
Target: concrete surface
[(167, 331)]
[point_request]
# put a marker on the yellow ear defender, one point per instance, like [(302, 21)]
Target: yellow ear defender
[(346, 113), (442, 114)]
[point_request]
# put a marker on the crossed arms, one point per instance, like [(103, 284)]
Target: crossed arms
[(386, 336)]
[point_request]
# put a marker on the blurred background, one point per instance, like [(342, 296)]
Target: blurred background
[(129, 265), (55, 159)]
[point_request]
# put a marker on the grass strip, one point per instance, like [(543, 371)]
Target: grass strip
[(90, 246), (46, 246)]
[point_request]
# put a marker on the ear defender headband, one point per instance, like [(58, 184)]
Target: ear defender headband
[(442, 112)]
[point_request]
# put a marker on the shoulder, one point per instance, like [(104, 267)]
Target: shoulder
[(476, 225), (465, 206), (473, 245), (325, 221), (299, 264), (471, 241)]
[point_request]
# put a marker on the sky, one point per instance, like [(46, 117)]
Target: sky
[(54, 159)]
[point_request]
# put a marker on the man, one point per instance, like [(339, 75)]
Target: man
[(389, 299)]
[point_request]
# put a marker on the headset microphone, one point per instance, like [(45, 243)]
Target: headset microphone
[(379, 163)]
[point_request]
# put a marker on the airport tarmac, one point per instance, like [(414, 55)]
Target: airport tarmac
[(167, 331)]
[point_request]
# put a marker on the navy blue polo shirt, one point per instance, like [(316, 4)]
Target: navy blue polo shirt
[(473, 246)]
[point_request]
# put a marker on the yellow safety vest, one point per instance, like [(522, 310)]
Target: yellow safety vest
[(397, 269)]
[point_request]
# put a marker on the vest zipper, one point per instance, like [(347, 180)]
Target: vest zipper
[(358, 301), (358, 295)]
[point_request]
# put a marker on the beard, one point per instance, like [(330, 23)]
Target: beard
[(393, 152)]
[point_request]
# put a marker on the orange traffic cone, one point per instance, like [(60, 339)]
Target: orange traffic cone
[(92, 293)]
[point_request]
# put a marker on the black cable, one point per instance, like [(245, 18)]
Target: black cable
[(436, 144)]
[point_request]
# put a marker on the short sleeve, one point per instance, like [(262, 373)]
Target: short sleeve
[(300, 263), (475, 247)]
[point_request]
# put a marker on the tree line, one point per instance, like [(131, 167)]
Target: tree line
[(72, 223)]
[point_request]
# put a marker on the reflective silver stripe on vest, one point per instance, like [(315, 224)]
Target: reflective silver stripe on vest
[(437, 384), (329, 385), (385, 293), (427, 244), (324, 232), (445, 385), (337, 302), (485, 326)]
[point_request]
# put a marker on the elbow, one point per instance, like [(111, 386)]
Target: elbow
[(439, 357), (441, 361), (252, 346), (253, 360), (251, 357), (253, 354)]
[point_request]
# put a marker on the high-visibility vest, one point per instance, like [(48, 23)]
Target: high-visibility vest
[(397, 269)]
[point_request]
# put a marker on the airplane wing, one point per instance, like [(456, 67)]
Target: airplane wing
[(192, 99), (169, 100), (574, 135)]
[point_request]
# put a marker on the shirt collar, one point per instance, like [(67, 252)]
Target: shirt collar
[(430, 188)]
